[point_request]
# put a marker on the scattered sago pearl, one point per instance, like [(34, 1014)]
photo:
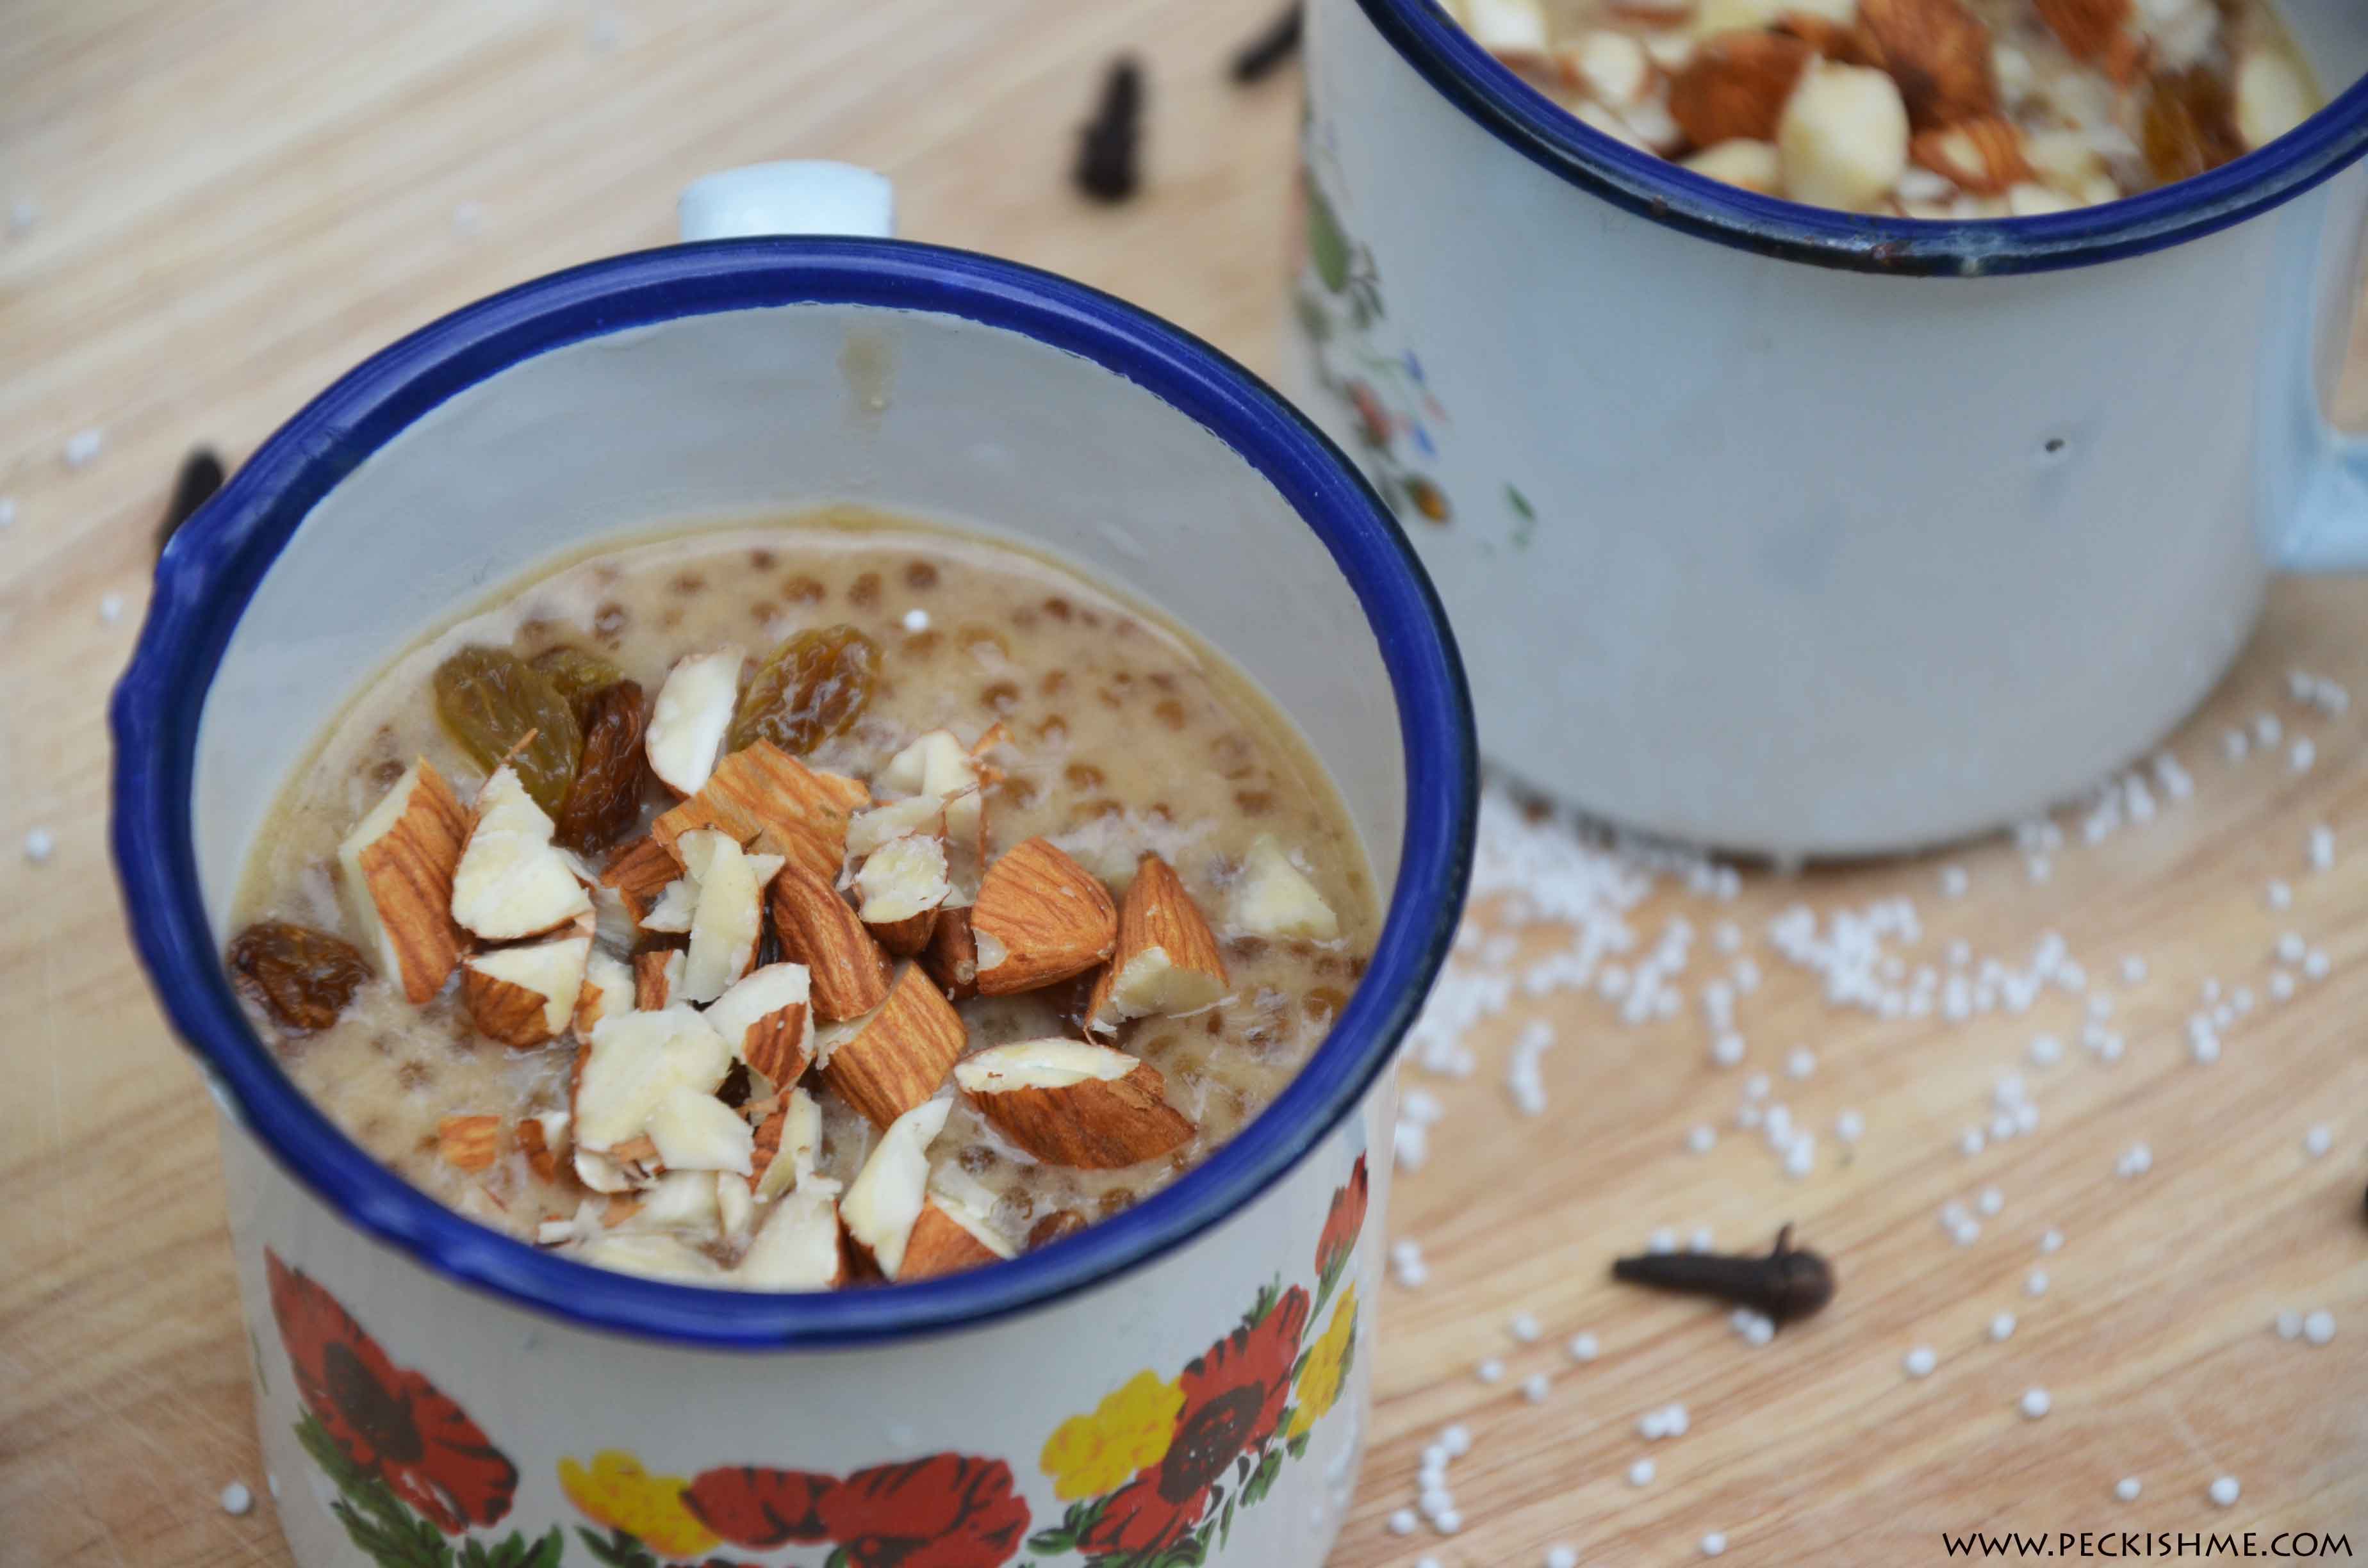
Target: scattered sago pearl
[(2037, 1284), (2002, 1326), (2136, 1162), (2291, 947), (1641, 1473), (2319, 1326), (1920, 1362), (1850, 1126), (1561, 1557), (1490, 1371), (2318, 1140), (1755, 1086), (1728, 1051), (1535, 1388), (2302, 754), (1446, 1521), (1714, 1543), (2266, 728), (1403, 1522), (84, 446), (2051, 1240), (2035, 1404), (7, 510), (2280, 896), (2127, 1488), (2133, 969), (40, 844), (2315, 966), (1965, 1232), (1524, 1328), (1700, 1240), (1801, 1063), (2224, 1492), (236, 1498), (1702, 1139), (2282, 986), (2046, 1051), (111, 607), (1584, 1347), (1456, 1440), (1652, 1425), (1662, 1240), (1427, 1562), (2288, 1325), (1971, 1141), (1990, 1202), (917, 619), (1953, 882)]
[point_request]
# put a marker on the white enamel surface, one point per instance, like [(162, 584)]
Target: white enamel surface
[(724, 415), (1811, 571)]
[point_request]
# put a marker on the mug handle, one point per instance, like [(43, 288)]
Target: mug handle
[(2324, 526), (798, 196)]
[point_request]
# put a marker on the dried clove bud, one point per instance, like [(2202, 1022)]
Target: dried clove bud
[(1259, 59), (1789, 1282), (1106, 150), (201, 476)]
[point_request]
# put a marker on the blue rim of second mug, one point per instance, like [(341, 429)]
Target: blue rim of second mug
[(215, 562), (1541, 129)]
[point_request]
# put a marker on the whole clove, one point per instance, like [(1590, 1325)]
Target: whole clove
[(201, 476), (1107, 165), (1786, 1283), (1261, 56)]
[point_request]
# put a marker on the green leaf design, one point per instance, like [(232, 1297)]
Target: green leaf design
[(515, 1551), (1327, 246), (1298, 1446), (376, 1520), (1269, 1294), (1524, 530), (1314, 319), (838, 1558), (1225, 1525), (1254, 1491), (1065, 1535), (619, 1549)]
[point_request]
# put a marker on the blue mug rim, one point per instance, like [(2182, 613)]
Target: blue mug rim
[(1525, 120), (209, 571)]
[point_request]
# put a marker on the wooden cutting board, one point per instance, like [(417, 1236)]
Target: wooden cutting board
[(236, 200)]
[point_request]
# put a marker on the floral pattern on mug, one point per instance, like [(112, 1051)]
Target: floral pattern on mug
[(410, 1468)]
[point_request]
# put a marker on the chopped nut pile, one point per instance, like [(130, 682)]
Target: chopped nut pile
[(1918, 109)]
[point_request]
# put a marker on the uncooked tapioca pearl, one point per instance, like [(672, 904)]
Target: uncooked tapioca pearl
[(2302, 755), (1920, 1362), (2046, 1051), (1714, 1543), (2318, 1328), (1490, 1370), (1755, 1328), (1971, 1141), (40, 844), (1965, 1232), (1802, 1157), (2226, 1491), (2288, 1324), (2279, 895), (1960, 953), (1801, 1062), (1663, 1239), (2315, 964), (84, 447), (236, 1498), (2038, 867), (1524, 1328), (2135, 1161), (1641, 1473), (2210, 989), (1427, 1562), (1756, 1087), (1561, 1557), (2266, 728), (2127, 1488), (2035, 1404), (2051, 1241), (1653, 1426), (2037, 1284), (2002, 1326), (2026, 1115), (2291, 947), (1747, 1116), (1702, 1139), (2318, 1140), (1849, 1126), (1585, 1347), (2241, 1000), (1535, 1387), (1953, 882), (2233, 744), (2133, 969), (2322, 847), (7, 511), (2282, 986), (1455, 1441), (2100, 1007), (1990, 1200), (1404, 1522), (1746, 975), (1701, 1240), (1727, 1049), (1446, 1521)]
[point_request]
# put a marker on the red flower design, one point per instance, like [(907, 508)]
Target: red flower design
[(749, 1505), (946, 1511), (1343, 1223), (385, 1419), (1234, 1399)]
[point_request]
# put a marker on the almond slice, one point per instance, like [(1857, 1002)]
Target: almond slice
[(696, 1132), (767, 798), (893, 1057), (634, 1062), (734, 1206), (681, 1203), (511, 882), (1040, 917), (2096, 32), (1938, 53), (887, 1195), (951, 957), (948, 1238), (902, 885), (1984, 154), (764, 1017), (657, 975), (1735, 86), (655, 1255), (868, 830), (694, 709), (538, 1138), (1167, 960), (525, 997), (1513, 31), (469, 1142), (1273, 897), (938, 767), (1070, 1103), (800, 1246), (731, 916), (848, 972), (640, 874), (786, 1145), (608, 988), (398, 864)]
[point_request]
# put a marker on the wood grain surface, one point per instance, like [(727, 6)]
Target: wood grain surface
[(231, 202)]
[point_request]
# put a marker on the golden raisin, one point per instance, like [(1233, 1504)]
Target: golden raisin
[(2190, 124), (301, 977), (813, 687), (500, 707), (578, 673), (604, 803)]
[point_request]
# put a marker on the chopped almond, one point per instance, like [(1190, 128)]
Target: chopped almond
[(799, 1247), (1274, 898), (634, 1062), (887, 1195), (526, 996), (764, 1017), (951, 957), (655, 1255), (1070, 1103), (398, 864), (848, 972), (694, 709), (1984, 154), (767, 798), (734, 1206), (937, 766), (947, 1239), (1167, 960), (608, 988), (696, 1132), (539, 1138), (730, 910), (640, 874), (1040, 917), (868, 830), (681, 1203), (786, 1145), (893, 1057), (657, 975), (469, 1142), (902, 884), (511, 882)]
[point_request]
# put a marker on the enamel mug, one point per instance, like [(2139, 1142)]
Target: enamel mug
[(1184, 1382), (1803, 532)]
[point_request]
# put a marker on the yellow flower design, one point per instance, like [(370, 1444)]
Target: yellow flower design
[(1319, 1381), (1089, 1455), (620, 1494)]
